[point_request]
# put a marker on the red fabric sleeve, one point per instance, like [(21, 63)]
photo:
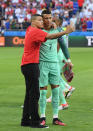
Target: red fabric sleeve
[(40, 35)]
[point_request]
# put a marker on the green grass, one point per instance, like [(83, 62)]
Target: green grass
[(79, 116)]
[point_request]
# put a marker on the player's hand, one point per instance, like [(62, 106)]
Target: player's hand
[(70, 28), (67, 71), (70, 64)]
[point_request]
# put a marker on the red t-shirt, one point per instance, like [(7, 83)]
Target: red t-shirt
[(33, 39), (80, 3)]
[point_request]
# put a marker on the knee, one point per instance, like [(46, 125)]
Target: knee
[(55, 91)]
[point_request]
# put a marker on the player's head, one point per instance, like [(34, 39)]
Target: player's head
[(37, 21), (47, 18)]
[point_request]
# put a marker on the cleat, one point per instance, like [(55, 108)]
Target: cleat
[(56, 121), (43, 121), (69, 93), (63, 106), (49, 99)]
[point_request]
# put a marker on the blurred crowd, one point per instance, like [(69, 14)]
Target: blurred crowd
[(16, 14)]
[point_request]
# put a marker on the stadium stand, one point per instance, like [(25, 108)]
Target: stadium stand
[(16, 14)]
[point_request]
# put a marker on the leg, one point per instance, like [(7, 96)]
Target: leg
[(61, 92), (68, 89), (62, 96), (30, 110), (25, 115), (55, 100), (43, 81), (55, 104), (64, 104), (43, 92), (34, 94)]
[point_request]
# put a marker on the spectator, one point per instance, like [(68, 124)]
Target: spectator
[(78, 24), (65, 23), (11, 17), (26, 23), (34, 11), (84, 26), (89, 5), (15, 1), (0, 21), (34, 3), (13, 24), (89, 13), (80, 4), (56, 14), (84, 19), (17, 24), (42, 4), (58, 5), (7, 24), (17, 11), (8, 11), (66, 14), (73, 19), (81, 14), (0, 10), (89, 24), (39, 10), (70, 7), (84, 11), (48, 3), (20, 19)]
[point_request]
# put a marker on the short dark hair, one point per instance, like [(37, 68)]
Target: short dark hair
[(33, 17), (46, 11)]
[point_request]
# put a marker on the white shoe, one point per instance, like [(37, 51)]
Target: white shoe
[(70, 92), (63, 106)]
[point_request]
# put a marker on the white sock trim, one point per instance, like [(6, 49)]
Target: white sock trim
[(43, 115), (55, 116)]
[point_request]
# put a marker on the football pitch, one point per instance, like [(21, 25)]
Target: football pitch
[(78, 117)]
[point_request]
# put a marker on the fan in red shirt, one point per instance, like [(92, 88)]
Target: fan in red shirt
[(33, 39), (30, 69), (80, 4)]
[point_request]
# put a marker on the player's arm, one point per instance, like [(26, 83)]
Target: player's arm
[(65, 51), (63, 47), (62, 44), (68, 30)]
